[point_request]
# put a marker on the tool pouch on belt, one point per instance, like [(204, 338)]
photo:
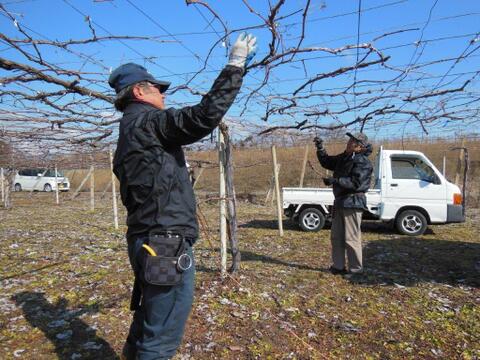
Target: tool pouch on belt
[(170, 261)]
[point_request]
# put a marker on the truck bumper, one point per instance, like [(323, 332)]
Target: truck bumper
[(455, 214)]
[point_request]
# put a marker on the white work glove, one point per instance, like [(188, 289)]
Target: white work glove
[(243, 50)]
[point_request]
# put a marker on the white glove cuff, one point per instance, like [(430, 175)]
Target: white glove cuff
[(236, 60)]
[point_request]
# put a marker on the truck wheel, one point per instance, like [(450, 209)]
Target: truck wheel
[(311, 219), (18, 187), (47, 188), (411, 222)]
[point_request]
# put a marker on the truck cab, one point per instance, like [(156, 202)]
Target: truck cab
[(407, 189)]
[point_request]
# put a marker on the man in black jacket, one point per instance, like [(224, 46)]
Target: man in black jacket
[(352, 172), (156, 190)]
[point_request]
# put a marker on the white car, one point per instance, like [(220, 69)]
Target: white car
[(40, 180), (409, 191)]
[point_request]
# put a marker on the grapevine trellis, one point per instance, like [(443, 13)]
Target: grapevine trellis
[(56, 108), (69, 105)]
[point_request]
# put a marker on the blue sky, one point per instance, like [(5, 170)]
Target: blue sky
[(189, 35)]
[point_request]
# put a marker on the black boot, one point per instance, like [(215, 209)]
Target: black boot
[(129, 352), (336, 271)]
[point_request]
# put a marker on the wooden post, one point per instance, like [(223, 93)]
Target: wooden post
[(459, 163), (222, 211), (92, 188), (444, 165), (200, 172), (75, 193), (104, 192), (2, 184), (39, 178), (273, 185), (9, 175), (304, 165), (277, 192), (56, 187), (231, 199), (114, 193), (271, 189)]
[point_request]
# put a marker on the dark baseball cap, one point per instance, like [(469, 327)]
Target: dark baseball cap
[(129, 74), (359, 137)]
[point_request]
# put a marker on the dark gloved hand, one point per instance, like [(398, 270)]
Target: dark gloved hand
[(329, 181), (318, 142)]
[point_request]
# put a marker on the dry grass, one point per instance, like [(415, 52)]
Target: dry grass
[(253, 167)]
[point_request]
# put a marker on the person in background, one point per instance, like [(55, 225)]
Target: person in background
[(352, 173), (155, 188)]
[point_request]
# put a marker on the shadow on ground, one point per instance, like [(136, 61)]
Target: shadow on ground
[(409, 261), (269, 224), (251, 256), (63, 327), (375, 227), (403, 260)]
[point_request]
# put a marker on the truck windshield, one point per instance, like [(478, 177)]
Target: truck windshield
[(413, 168)]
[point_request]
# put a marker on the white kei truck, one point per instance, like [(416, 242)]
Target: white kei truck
[(408, 190)]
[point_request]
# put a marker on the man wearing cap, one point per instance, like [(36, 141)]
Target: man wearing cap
[(352, 172), (155, 188)]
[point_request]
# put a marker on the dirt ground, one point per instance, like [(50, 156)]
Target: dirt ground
[(65, 281)]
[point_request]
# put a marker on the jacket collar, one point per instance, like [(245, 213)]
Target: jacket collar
[(136, 107)]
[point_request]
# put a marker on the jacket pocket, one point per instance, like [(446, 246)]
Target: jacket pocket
[(140, 180)]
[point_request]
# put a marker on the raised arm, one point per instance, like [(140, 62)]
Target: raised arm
[(192, 123), (328, 162)]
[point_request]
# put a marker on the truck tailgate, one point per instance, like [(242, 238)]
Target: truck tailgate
[(319, 196)]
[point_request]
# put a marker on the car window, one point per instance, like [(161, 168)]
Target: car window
[(413, 168), (403, 169)]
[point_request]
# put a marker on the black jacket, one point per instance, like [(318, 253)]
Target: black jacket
[(352, 174), (149, 160)]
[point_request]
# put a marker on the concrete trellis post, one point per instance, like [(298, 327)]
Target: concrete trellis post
[(277, 191), (223, 209), (114, 193)]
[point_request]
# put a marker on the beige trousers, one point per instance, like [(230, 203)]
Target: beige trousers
[(346, 235)]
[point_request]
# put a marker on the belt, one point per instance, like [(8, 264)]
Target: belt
[(165, 233)]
